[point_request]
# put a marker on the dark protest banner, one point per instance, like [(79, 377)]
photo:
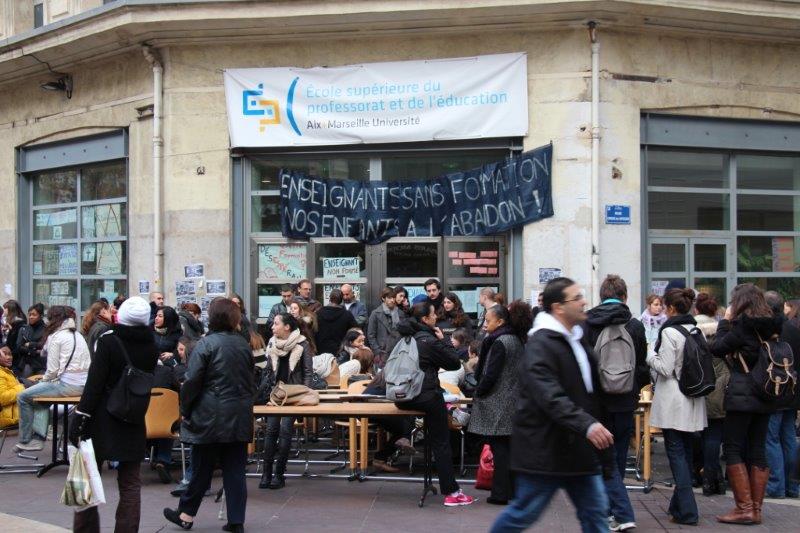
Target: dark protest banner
[(484, 201)]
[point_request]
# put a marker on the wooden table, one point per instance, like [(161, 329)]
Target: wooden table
[(354, 411), (646, 405), (55, 401)]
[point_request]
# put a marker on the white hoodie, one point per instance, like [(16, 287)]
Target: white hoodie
[(548, 321)]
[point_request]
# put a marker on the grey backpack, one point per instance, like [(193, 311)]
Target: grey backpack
[(617, 359), (402, 372)]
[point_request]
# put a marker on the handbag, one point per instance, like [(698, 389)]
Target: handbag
[(283, 394), (77, 489), (485, 476), (130, 397)]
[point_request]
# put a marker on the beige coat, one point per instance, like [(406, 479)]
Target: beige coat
[(671, 409)]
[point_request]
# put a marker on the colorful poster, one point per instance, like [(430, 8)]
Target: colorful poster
[(783, 254), (281, 261)]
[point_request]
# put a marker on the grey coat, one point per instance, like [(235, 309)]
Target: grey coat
[(381, 334), (493, 414)]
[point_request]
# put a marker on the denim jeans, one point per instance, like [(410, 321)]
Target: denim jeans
[(781, 451), (682, 506), (621, 426), (533, 493), (33, 417), (712, 441)]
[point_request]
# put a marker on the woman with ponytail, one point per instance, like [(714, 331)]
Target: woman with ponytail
[(497, 374)]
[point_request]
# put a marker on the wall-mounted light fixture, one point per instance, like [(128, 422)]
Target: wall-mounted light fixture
[(64, 83)]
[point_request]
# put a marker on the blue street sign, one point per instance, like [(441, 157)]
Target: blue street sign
[(618, 214)]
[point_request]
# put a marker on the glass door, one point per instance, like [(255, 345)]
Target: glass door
[(701, 263)]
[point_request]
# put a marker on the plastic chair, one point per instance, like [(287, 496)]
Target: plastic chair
[(162, 414)]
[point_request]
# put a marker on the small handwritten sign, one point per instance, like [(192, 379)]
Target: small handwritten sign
[(340, 267)]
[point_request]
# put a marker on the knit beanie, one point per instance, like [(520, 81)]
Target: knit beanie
[(134, 311)]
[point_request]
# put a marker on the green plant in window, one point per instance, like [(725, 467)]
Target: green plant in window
[(750, 261)]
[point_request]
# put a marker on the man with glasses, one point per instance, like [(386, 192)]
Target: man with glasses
[(304, 293), (558, 418)]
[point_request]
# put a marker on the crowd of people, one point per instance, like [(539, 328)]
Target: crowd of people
[(554, 378)]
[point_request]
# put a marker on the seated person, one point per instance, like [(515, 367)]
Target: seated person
[(460, 340), (398, 427), (354, 357), (9, 388)]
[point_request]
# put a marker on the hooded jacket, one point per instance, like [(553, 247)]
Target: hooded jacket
[(9, 388), (434, 354), (741, 337), (68, 356), (555, 409), (333, 322), (190, 326), (612, 313)]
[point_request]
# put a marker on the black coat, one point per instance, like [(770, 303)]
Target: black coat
[(29, 340), (334, 321), (555, 410), (190, 326), (617, 313), (217, 396), (433, 355), (741, 336), (112, 438), (791, 334)]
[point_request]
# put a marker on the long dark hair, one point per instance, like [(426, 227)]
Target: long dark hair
[(748, 300), (518, 316), (91, 315), (457, 316), (14, 311), (171, 321), (679, 299), (56, 316)]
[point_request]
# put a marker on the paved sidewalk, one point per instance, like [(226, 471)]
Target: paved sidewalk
[(339, 505)]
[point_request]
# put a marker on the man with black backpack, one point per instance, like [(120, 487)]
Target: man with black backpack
[(621, 347)]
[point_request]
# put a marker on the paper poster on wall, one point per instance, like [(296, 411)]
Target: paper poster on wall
[(184, 288), (265, 304), (414, 291), (534, 298), (783, 254), (109, 285), (548, 274), (59, 218), (469, 300), (37, 268), (326, 292), (196, 270), (8, 289), (89, 253), (108, 221), (658, 286), (57, 233), (59, 288), (205, 301), (109, 258), (215, 286), (108, 295), (281, 261), (87, 222), (68, 260), (144, 286), (340, 267), (185, 299)]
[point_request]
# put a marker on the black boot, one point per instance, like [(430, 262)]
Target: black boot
[(278, 481), (269, 454)]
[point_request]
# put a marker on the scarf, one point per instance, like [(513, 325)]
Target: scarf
[(395, 316), (160, 331), (652, 321), (677, 320), (291, 346)]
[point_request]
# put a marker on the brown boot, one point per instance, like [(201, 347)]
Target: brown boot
[(740, 484), (758, 485)]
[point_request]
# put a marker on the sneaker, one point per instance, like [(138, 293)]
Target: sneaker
[(625, 526), (459, 498), (33, 446), (179, 490)]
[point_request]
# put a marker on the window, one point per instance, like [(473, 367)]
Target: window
[(79, 235), (38, 13)]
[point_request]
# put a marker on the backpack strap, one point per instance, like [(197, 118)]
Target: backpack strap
[(121, 345), (74, 342)]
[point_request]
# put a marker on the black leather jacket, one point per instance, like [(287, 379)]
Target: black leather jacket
[(217, 396)]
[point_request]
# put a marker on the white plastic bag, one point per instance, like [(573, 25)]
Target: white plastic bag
[(90, 464), (84, 487)]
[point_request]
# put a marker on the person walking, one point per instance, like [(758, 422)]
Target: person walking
[(713, 481), (114, 439), (496, 395), (747, 321), (556, 430), (434, 353), (618, 406), (382, 327), (289, 360), (677, 415), (217, 411)]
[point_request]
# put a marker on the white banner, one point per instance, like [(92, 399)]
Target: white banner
[(472, 97)]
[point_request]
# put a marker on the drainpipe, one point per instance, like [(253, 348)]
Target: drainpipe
[(594, 299), (153, 58)]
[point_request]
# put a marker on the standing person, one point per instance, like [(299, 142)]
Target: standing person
[(792, 311), (713, 481), (289, 360), (781, 445), (113, 439), (166, 332), (217, 411), (156, 303), (618, 407), (30, 342), (352, 304), (382, 327), (401, 299), (556, 432), (452, 315), (244, 323), (434, 353), (334, 321), (304, 293), (677, 415), (67, 366), (485, 302), (433, 291), (287, 295), (96, 321), (653, 317), (747, 320), (498, 387), (189, 318), (306, 322)]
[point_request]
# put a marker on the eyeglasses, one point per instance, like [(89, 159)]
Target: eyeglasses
[(576, 299)]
